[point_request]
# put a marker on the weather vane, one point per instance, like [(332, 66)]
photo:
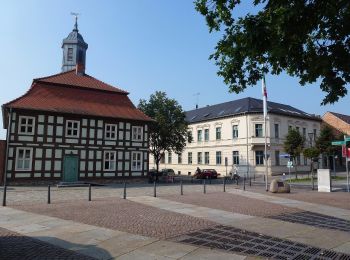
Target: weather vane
[(76, 19)]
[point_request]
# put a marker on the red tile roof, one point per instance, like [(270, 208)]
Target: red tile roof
[(68, 93), (70, 78)]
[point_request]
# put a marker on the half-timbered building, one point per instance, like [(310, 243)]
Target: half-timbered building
[(71, 126)]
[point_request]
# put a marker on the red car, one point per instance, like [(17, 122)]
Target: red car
[(206, 174)]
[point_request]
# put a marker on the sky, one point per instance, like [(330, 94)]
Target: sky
[(140, 46)]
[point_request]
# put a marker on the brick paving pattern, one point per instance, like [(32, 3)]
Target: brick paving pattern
[(15, 246), (123, 215), (233, 203)]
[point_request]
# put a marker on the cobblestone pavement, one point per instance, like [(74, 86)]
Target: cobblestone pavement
[(233, 203), (122, 215), (15, 246)]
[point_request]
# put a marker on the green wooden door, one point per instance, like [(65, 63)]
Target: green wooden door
[(70, 168)]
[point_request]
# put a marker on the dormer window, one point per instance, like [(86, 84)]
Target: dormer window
[(26, 125), (70, 54), (72, 128)]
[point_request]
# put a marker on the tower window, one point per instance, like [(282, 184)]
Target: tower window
[(70, 54)]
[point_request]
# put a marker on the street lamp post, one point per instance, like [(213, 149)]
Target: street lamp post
[(311, 135)]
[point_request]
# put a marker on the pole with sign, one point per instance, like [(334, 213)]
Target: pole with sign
[(289, 165), (226, 163), (345, 153)]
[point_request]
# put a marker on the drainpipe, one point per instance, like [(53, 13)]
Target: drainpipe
[(247, 132), (7, 144)]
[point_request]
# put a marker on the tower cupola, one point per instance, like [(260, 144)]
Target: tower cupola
[(74, 49)]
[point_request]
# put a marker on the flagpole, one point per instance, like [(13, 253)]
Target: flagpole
[(265, 130)]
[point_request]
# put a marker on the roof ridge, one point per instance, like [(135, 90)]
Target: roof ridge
[(54, 75), (106, 84)]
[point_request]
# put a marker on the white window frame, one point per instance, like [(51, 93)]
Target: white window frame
[(30, 158), (115, 132), (218, 133), (139, 133), (206, 158), (206, 134), (234, 131), (109, 169), (136, 163), (259, 130), (235, 157), (26, 125), (73, 128)]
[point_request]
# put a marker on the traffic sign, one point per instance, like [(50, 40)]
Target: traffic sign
[(339, 142), (290, 164)]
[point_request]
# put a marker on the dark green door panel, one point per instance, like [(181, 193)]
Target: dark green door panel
[(70, 168)]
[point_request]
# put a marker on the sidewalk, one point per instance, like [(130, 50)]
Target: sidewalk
[(100, 243), (336, 240)]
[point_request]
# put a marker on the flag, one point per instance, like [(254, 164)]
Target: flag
[(264, 92)]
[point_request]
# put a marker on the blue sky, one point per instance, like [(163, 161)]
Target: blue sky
[(138, 45)]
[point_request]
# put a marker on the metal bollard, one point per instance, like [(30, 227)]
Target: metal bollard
[(89, 192), (124, 193), (244, 183), (49, 194), (210, 179), (237, 180), (181, 187), (154, 189), (224, 182), (204, 187), (4, 196), (250, 181)]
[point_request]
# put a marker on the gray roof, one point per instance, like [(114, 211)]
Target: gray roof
[(75, 37), (245, 105)]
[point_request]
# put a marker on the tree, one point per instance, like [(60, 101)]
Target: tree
[(324, 142), (307, 39), (169, 132), (293, 145), (312, 153)]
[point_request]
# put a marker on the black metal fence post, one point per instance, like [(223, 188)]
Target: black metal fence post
[(224, 182), (250, 181), (154, 189), (4, 196), (89, 192), (124, 193), (49, 194), (181, 188), (244, 183), (204, 187)]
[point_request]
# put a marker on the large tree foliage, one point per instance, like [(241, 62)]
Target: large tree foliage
[(308, 39), (294, 145), (324, 142), (169, 132)]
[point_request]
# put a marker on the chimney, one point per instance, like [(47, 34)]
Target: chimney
[(196, 106), (80, 69)]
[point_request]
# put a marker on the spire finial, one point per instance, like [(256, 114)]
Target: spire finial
[(76, 21)]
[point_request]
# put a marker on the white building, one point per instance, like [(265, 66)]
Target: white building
[(234, 131)]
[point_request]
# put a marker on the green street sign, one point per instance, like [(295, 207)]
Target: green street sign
[(339, 142)]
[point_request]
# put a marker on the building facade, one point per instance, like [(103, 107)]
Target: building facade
[(71, 126), (234, 132)]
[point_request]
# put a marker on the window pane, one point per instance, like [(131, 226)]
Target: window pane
[(26, 164)]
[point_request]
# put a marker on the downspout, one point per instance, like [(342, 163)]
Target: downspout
[(247, 132), (7, 144)]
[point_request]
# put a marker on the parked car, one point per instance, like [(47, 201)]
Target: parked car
[(206, 174), (168, 175), (153, 175)]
